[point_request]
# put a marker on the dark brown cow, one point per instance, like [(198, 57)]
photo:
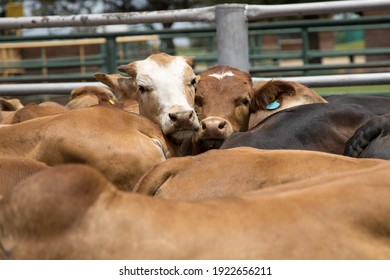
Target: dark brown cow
[(320, 127), (378, 105), (73, 212), (121, 145), (218, 173), (371, 140)]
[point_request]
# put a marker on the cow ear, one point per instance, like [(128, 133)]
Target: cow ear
[(113, 81), (190, 60), (129, 69), (128, 87), (10, 104), (266, 94)]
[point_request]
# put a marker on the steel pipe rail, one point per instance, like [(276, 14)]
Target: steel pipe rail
[(207, 14), (337, 80), (232, 40), (311, 81), (43, 88), (191, 15), (256, 12)]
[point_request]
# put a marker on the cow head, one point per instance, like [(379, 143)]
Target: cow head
[(87, 96), (165, 90), (275, 95), (10, 104), (222, 102)]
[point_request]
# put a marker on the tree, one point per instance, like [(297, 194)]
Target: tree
[(60, 7)]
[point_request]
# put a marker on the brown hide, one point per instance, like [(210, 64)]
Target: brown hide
[(287, 93), (32, 110), (87, 96), (8, 107), (165, 91), (15, 169), (123, 88), (218, 173), (119, 144), (343, 216), (222, 99)]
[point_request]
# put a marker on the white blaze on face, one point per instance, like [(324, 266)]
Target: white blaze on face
[(222, 75), (165, 89)]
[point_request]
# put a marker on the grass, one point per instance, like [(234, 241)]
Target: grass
[(350, 45), (362, 90)]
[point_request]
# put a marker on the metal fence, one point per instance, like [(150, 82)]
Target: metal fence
[(231, 28)]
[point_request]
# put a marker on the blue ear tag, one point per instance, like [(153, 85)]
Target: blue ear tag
[(273, 105)]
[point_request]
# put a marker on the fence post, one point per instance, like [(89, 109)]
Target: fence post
[(111, 55), (232, 35)]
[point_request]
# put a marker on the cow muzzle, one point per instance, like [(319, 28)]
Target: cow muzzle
[(182, 124), (213, 132)]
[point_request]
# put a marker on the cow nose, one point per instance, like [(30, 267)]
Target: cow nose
[(216, 125), (181, 117)]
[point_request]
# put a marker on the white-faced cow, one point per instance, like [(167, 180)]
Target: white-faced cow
[(165, 91)]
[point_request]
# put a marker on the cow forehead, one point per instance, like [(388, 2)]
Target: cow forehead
[(164, 71), (220, 76), (213, 85)]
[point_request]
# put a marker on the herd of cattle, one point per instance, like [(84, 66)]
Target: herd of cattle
[(161, 163)]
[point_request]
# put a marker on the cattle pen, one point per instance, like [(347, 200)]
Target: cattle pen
[(231, 24)]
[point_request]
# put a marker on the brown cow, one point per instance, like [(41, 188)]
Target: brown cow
[(227, 102), (124, 90), (121, 145), (341, 216), (218, 173), (15, 169), (8, 106), (276, 95), (87, 96), (165, 92), (32, 110), (222, 102)]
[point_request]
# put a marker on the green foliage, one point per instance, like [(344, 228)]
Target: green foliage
[(60, 7)]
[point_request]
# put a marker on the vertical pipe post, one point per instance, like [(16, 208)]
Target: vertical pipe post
[(111, 57), (305, 48), (232, 35)]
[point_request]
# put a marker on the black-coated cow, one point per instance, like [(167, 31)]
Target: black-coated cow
[(371, 140), (319, 127)]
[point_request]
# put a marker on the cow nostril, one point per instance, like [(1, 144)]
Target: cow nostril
[(203, 125), (191, 114), (222, 125), (173, 117)]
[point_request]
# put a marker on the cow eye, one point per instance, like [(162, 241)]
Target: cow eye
[(142, 89), (246, 102), (198, 101), (193, 82)]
